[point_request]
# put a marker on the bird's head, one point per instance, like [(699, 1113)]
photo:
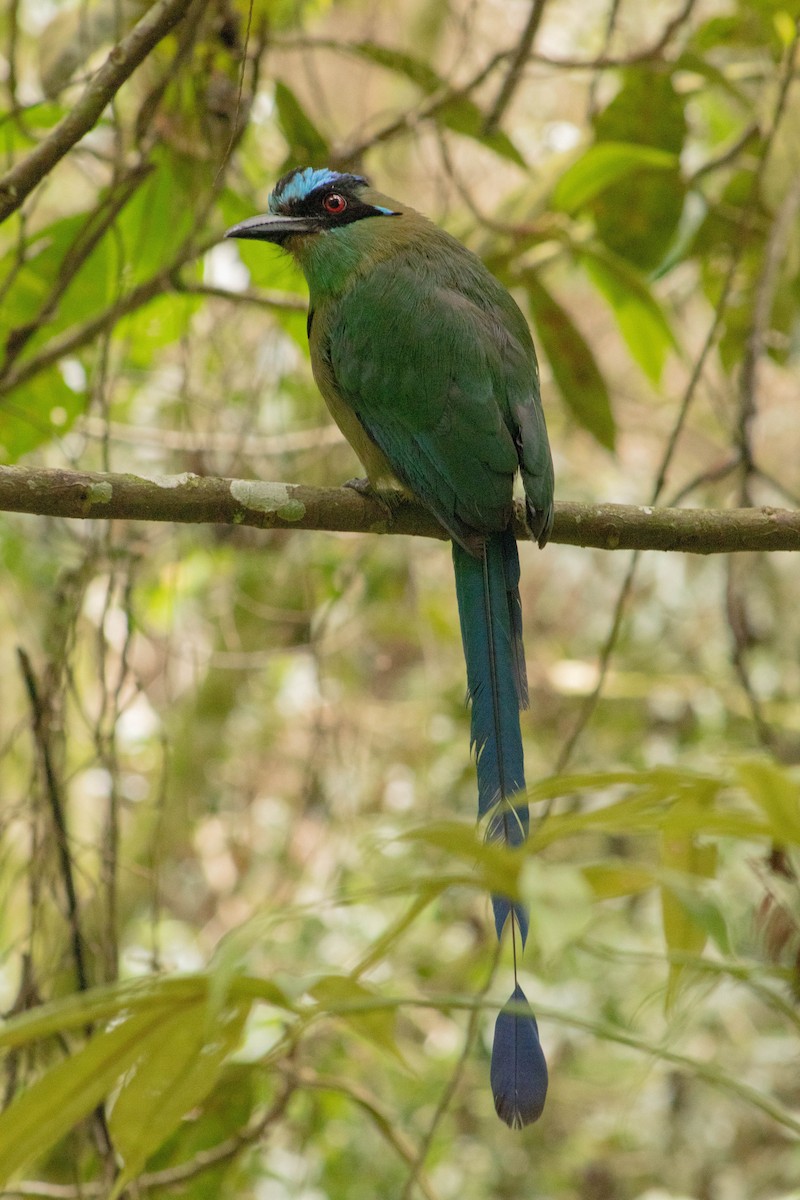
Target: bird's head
[(309, 202)]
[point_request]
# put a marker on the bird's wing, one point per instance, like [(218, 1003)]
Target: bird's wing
[(443, 387)]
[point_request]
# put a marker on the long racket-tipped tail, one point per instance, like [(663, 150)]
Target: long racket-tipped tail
[(491, 629)]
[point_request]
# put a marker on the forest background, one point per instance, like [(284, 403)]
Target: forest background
[(243, 912)]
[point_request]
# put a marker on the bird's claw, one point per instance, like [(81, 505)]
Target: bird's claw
[(361, 485), (364, 488)]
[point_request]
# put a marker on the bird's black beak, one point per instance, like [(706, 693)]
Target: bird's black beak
[(270, 228)]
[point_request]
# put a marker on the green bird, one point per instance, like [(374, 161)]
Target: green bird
[(428, 367)]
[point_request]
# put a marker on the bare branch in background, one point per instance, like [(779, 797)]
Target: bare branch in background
[(123, 60), (516, 67)]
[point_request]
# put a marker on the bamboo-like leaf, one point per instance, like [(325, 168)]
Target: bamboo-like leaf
[(776, 794), (65, 1094), (177, 1065), (608, 880), (683, 932), (116, 1001), (495, 867), (341, 995)]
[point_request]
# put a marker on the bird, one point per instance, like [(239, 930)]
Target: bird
[(428, 367)]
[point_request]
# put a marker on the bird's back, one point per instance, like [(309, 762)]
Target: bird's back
[(435, 360)]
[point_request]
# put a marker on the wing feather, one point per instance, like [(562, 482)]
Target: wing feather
[(445, 388)]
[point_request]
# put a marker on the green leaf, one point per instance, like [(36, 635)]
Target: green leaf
[(751, 27), (785, 27), (705, 913), (342, 996), (49, 1108), (160, 215), (177, 1065), (463, 116), (776, 794), (683, 932), (134, 995), (637, 216), (408, 65), (46, 252), (305, 143), (641, 320), (608, 880), (574, 367), (493, 866), (39, 411), (603, 164)]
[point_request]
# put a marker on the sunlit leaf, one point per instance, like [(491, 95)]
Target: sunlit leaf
[(609, 880), (177, 1065), (641, 320), (494, 866), (683, 932), (66, 1093), (603, 164), (76, 1011), (343, 997), (776, 794)]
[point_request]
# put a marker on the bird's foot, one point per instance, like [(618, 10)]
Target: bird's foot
[(361, 485), (388, 500)]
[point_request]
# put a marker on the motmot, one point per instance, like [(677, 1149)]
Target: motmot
[(428, 367)]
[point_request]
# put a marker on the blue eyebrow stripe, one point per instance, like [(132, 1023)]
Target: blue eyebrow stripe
[(302, 184)]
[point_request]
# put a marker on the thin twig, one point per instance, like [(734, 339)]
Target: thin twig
[(516, 67), (653, 51), (52, 788), (413, 118), (455, 1078), (370, 1105), (262, 445), (263, 298), (763, 301), (590, 703)]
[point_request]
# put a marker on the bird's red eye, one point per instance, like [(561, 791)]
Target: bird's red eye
[(334, 203)]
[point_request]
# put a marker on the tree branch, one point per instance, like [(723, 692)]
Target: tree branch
[(123, 60), (517, 66), (196, 499)]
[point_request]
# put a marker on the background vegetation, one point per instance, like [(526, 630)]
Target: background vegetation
[(242, 902)]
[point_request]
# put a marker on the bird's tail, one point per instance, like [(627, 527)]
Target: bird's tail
[(491, 629)]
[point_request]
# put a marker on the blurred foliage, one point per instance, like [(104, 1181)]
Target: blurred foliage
[(258, 742)]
